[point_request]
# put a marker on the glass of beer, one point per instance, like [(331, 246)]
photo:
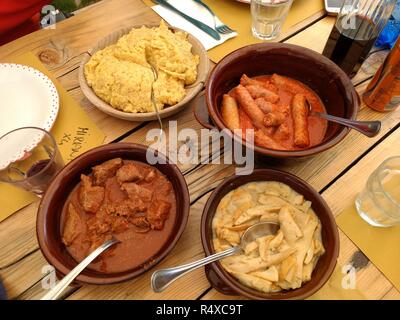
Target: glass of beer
[(357, 27), (268, 17), (379, 202), (29, 159)]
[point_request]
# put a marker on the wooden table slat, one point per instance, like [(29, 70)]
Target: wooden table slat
[(21, 260)]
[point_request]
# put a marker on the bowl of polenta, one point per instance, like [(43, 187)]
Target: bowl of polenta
[(117, 75)]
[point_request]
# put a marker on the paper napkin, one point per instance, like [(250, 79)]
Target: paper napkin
[(197, 12)]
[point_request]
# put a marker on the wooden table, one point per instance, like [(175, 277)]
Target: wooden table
[(61, 49)]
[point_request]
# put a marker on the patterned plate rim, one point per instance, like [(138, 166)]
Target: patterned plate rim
[(55, 107)]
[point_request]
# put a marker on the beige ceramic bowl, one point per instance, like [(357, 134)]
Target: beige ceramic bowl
[(191, 91)]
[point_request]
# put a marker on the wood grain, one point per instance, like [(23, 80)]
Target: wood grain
[(62, 48)]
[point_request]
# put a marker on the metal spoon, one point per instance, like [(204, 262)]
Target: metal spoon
[(161, 279), (54, 293), (368, 128)]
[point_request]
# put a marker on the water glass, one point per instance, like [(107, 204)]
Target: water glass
[(268, 17), (29, 159), (379, 202)]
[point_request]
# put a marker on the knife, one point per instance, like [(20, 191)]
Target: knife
[(197, 23)]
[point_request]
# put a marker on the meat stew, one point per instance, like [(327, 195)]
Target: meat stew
[(130, 200)]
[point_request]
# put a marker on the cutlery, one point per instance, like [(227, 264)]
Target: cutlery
[(162, 278), (197, 23), (153, 98), (54, 293), (218, 24), (368, 128)]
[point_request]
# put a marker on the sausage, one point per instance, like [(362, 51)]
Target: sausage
[(246, 81), (283, 132), (249, 106), (262, 140), (230, 112), (258, 91), (245, 121), (288, 84), (300, 121), (271, 87), (266, 106), (274, 119)]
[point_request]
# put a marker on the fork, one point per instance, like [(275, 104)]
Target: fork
[(219, 25), (153, 98)]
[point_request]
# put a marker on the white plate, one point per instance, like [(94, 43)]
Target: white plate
[(27, 98)]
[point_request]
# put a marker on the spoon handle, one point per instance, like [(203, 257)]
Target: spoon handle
[(164, 277), (54, 293), (368, 128)]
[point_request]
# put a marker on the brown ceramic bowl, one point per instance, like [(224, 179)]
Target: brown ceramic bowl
[(222, 281), (313, 69), (191, 90), (49, 213)]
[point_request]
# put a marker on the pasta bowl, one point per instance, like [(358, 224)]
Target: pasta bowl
[(225, 283), (324, 77)]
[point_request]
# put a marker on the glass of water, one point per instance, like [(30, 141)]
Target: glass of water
[(379, 202), (268, 17)]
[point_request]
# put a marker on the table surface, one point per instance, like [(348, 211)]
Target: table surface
[(61, 49)]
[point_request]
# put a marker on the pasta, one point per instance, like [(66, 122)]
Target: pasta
[(271, 263)]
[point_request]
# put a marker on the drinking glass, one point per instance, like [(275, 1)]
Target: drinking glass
[(357, 27), (29, 159), (379, 202), (268, 17)]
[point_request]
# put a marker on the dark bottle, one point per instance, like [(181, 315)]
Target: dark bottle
[(383, 92), (355, 32)]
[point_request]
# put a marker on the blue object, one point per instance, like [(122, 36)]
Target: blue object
[(391, 32), (3, 295)]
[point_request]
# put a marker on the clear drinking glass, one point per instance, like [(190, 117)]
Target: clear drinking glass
[(268, 17), (379, 202), (29, 159)]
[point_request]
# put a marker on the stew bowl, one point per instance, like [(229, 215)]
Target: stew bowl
[(225, 283), (309, 67), (51, 206)]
